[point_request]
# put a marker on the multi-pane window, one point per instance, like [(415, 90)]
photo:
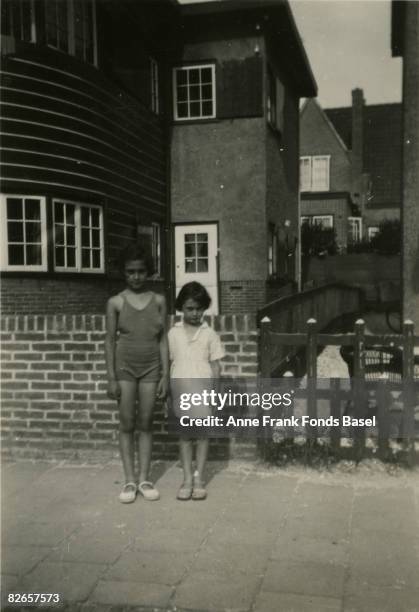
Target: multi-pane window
[(154, 85), (314, 173), (194, 92), (78, 237), (305, 173), (321, 220), (354, 229), (24, 246), (18, 19), (196, 252), (70, 27)]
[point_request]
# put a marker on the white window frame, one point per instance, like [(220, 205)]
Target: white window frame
[(310, 184), (71, 39), (4, 255), (77, 216), (188, 67), (326, 185), (154, 86), (356, 221), (305, 158), (373, 231), (304, 219), (322, 218)]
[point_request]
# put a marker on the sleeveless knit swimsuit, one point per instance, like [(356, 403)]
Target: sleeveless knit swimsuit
[(137, 354)]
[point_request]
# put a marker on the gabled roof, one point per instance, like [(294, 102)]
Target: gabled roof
[(382, 153), (328, 122), (279, 23)]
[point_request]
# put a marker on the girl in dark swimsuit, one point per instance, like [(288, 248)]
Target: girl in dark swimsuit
[(137, 364)]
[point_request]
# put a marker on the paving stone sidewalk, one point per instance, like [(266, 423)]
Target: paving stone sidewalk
[(264, 540)]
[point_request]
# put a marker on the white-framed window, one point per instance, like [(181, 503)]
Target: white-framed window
[(78, 237), (373, 231), (194, 92), (154, 85), (305, 173), (354, 229), (150, 238), (70, 26), (272, 251), (24, 243), (322, 220), (315, 173), (18, 19)]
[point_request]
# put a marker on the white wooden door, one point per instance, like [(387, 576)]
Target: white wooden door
[(196, 249)]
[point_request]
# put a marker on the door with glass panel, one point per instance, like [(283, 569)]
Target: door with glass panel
[(196, 248)]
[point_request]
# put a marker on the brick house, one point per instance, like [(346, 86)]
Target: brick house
[(84, 150), (234, 155), (350, 166), (121, 118)]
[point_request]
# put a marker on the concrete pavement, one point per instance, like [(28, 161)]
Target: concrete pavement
[(265, 540)]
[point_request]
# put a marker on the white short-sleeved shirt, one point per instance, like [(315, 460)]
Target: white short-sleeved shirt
[(191, 357)]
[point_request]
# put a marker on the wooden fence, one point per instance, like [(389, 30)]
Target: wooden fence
[(326, 304), (378, 363)]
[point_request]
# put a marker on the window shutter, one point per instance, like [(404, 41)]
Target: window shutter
[(239, 88)]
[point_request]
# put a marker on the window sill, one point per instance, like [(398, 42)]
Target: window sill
[(194, 121)]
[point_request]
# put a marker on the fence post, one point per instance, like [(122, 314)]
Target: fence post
[(408, 390), (335, 432), (311, 356), (265, 348), (359, 386), (264, 373)]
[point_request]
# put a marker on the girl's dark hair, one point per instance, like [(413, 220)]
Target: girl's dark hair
[(135, 252), (194, 291)]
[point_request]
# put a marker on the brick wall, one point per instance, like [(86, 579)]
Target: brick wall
[(242, 296), (54, 400), (59, 294)]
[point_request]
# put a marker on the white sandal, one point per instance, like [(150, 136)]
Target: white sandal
[(128, 493), (148, 491)]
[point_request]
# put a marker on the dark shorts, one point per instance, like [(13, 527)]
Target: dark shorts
[(150, 375)]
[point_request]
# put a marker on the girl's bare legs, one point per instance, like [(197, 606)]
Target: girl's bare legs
[(147, 399), (185, 448), (202, 445), (127, 427)]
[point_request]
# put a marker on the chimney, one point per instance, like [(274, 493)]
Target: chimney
[(357, 132)]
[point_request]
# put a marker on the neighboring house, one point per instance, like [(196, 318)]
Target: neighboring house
[(84, 147), (350, 167), (120, 118), (234, 155), (405, 44)]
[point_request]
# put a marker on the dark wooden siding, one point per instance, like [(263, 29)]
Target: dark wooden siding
[(68, 131)]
